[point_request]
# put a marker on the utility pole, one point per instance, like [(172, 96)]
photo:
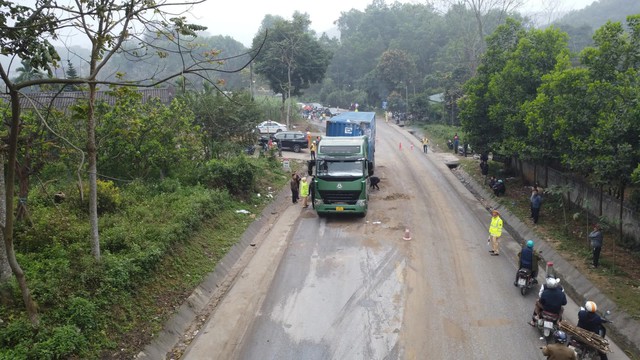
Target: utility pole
[(251, 79)]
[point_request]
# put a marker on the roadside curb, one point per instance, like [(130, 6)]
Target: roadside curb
[(624, 329)]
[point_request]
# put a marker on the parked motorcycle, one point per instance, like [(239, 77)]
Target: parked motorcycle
[(585, 351), (547, 323), (525, 281)]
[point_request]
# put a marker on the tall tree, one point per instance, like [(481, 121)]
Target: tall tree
[(24, 32), (486, 132), (292, 58), (395, 68)]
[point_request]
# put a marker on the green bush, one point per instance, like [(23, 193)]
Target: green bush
[(109, 197), (60, 343), (237, 175), (82, 313), (15, 332)]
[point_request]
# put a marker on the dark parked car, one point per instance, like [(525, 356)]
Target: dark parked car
[(288, 140)]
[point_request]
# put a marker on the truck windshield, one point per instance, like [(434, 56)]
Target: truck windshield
[(352, 168)]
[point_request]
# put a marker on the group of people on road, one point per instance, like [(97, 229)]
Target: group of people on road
[(299, 189), (551, 297)]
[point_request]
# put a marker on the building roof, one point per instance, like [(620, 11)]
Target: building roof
[(64, 100)]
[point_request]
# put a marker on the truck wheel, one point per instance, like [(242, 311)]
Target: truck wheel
[(296, 148)]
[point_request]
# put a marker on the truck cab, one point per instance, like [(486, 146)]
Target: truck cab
[(340, 172)]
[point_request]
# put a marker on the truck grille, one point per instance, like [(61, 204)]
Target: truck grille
[(345, 197)]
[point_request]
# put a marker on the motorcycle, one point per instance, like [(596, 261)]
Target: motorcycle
[(547, 323), (584, 351), (525, 281)]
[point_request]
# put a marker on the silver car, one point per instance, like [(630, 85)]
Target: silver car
[(271, 127)]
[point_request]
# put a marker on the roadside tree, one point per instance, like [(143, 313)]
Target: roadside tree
[(291, 57)]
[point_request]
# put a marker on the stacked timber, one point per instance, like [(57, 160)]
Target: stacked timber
[(586, 337)]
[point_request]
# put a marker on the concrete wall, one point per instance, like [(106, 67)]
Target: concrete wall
[(587, 197)]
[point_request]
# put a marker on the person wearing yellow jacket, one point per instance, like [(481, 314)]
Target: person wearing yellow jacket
[(313, 150), (304, 191), (495, 231)]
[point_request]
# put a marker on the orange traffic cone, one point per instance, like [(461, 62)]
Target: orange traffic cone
[(407, 235)]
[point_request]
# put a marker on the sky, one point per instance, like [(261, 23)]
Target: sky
[(241, 19)]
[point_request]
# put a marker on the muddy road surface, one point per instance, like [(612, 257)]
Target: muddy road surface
[(353, 288)]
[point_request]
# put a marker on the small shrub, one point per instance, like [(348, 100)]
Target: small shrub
[(109, 197), (82, 313), (60, 343), (16, 332)]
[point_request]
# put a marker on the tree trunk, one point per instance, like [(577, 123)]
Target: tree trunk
[(22, 172), (289, 95), (93, 173), (5, 269), (29, 304)]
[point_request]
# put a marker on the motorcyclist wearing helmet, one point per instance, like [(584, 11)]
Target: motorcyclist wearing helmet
[(589, 320), (559, 350), (528, 259), (552, 299)]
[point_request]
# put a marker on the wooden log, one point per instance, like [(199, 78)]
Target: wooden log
[(586, 337)]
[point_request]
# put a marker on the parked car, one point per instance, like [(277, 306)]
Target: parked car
[(288, 140), (271, 127)]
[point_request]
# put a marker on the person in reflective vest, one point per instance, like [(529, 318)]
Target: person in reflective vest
[(495, 231)]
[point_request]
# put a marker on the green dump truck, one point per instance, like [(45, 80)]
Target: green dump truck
[(340, 174)]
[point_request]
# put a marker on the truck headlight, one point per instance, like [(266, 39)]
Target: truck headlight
[(361, 203), (318, 201)]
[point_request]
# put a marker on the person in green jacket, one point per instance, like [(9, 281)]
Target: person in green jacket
[(495, 231), (304, 191)]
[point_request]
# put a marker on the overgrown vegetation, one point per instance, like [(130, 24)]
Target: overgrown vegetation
[(161, 199), (86, 306)]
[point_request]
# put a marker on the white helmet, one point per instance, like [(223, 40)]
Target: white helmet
[(552, 282), (591, 307)]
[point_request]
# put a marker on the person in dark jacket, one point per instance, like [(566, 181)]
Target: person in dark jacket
[(552, 299), (589, 320), (528, 259), (595, 238), (295, 187), (536, 203)]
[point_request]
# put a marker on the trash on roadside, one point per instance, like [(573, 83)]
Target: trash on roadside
[(242, 212), (376, 222)]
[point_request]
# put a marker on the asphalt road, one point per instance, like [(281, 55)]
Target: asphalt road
[(351, 288)]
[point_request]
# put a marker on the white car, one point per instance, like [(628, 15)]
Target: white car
[(271, 127)]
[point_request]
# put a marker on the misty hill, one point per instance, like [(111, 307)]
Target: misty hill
[(581, 24)]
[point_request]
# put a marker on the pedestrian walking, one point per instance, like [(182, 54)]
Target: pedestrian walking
[(313, 150), (536, 203), (495, 231), (295, 187), (456, 142), (304, 191), (425, 144), (595, 238), (308, 138)]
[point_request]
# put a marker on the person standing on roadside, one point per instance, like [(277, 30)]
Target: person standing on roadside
[(304, 191), (536, 203), (456, 142), (312, 150), (425, 144), (295, 187), (495, 231), (595, 238)]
